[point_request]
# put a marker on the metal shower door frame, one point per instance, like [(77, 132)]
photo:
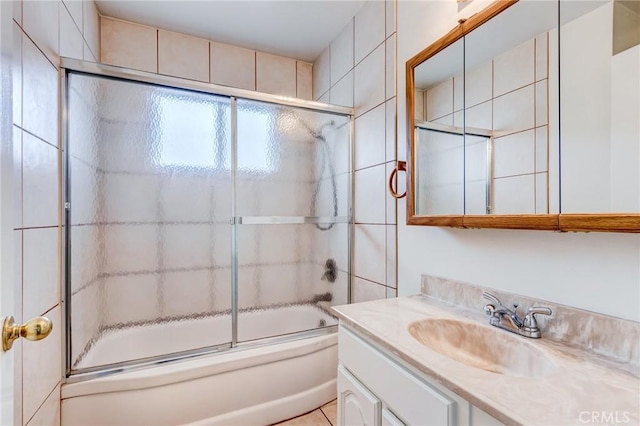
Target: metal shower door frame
[(107, 71)]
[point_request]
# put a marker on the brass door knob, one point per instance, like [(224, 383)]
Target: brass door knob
[(35, 329)]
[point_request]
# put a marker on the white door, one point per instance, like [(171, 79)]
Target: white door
[(357, 406)]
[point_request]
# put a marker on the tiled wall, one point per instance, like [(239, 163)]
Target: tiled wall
[(140, 47), (43, 31), (357, 70), (508, 96)]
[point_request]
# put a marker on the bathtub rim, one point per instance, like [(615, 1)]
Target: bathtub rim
[(200, 366), (126, 367)]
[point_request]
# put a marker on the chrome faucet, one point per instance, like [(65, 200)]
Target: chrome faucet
[(528, 326)]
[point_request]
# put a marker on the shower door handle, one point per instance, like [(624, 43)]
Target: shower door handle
[(400, 167), (35, 329)]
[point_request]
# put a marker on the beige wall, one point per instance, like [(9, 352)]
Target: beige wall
[(140, 47), (43, 31), (358, 69)]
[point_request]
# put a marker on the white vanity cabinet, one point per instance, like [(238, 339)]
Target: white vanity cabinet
[(376, 389)]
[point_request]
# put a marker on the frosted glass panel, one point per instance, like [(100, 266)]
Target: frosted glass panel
[(149, 232), (439, 173), (288, 277), (291, 161)]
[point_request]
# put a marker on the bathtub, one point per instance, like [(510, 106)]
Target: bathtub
[(242, 386)]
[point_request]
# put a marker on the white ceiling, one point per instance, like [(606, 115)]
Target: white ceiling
[(298, 29)]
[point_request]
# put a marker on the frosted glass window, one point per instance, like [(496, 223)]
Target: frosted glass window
[(257, 150), (181, 143)]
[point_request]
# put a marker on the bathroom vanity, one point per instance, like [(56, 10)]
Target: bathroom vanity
[(424, 360)]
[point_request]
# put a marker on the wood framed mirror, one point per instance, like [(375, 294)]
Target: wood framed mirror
[(491, 146)]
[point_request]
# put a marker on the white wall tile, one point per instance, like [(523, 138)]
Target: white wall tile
[(91, 26), (128, 45), (71, 41), (187, 293), (183, 56), (390, 129), (41, 284), (41, 367), (369, 28), (40, 22), (233, 66), (322, 74), (369, 252), (458, 95), (325, 99), (514, 111), (40, 94), (514, 154), (390, 63), (390, 17), (16, 74), (514, 195), (127, 298), (542, 160), (304, 80), (364, 290), (129, 248), (542, 49), (439, 100), (275, 74), (342, 91), (17, 11), (391, 256), (389, 200), (514, 68), (17, 177), (87, 54), (49, 413), (541, 103), (370, 194), (342, 53), (40, 183), (369, 81), (542, 191), (370, 138), (479, 116), (75, 10), (479, 84)]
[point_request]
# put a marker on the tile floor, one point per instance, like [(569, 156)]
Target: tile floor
[(324, 416)]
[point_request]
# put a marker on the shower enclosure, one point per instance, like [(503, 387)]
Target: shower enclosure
[(192, 210)]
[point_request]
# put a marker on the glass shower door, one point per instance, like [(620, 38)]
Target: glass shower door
[(148, 220), (292, 192)]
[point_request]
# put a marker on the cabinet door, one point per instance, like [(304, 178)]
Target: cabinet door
[(356, 405), (389, 419)]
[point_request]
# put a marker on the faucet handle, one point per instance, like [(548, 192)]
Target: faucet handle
[(489, 309), (530, 319)]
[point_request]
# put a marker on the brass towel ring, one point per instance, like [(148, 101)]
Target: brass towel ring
[(401, 166)]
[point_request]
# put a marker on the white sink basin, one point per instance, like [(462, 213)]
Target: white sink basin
[(482, 347)]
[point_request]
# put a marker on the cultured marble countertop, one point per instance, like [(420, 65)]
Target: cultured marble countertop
[(583, 386)]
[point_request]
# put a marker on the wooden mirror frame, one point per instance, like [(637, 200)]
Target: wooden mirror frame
[(606, 222)]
